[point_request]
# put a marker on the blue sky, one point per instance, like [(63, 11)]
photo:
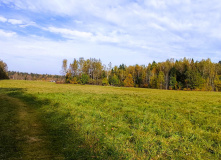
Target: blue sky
[(35, 36)]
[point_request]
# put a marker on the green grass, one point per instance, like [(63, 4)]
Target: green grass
[(22, 134), (95, 122)]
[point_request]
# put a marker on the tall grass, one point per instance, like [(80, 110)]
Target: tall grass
[(98, 122)]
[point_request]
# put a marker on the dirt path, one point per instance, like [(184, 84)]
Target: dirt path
[(22, 136)]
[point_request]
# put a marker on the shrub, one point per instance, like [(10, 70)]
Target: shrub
[(84, 79)]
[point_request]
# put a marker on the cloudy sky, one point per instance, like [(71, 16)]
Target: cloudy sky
[(36, 35)]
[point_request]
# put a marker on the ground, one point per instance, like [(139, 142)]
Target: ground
[(44, 120)]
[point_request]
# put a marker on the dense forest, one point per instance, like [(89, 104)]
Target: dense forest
[(34, 76), (183, 74), (3, 70)]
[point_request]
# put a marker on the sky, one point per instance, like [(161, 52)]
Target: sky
[(36, 35)]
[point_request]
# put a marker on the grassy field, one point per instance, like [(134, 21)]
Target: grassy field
[(95, 122)]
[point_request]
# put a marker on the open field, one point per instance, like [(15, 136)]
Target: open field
[(95, 122)]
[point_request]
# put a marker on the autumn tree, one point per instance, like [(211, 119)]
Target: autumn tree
[(64, 67), (74, 68), (128, 82), (68, 77), (153, 77), (3, 70), (180, 74), (122, 73), (217, 83), (160, 80), (167, 67)]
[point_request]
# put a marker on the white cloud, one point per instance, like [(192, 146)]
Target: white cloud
[(78, 22), (87, 36), (15, 21), (69, 33), (102, 38), (156, 3), (150, 29), (28, 24), (174, 14), (6, 34), (35, 54), (3, 19)]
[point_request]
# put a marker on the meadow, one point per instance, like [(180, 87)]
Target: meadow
[(104, 122)]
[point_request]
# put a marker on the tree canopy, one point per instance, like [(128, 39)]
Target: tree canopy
[(3, 70), (185, 74)]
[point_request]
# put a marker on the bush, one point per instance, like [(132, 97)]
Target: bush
[(74, 80), (98, 82), (84, 79), (114, 80), (145, 85), (105, 82)]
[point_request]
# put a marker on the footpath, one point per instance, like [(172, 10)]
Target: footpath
[(22, 135)]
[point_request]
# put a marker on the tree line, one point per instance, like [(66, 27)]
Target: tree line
[(183, 74), (34, 76), (5, 74), (3, 70)]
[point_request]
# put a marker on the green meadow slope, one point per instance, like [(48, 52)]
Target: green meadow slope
[(95, 122)]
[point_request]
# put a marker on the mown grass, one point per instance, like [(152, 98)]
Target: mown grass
[(95, 122)]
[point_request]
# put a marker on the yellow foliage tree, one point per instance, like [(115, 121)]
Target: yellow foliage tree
[(128, 82), (217, 83), (74, 80)]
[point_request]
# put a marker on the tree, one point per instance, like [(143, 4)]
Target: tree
[(64, 67), (138, 74), (153, 78), (3, 70), (74, 68), (114, 80), (74, 80), (173, 82), (128, 82), (160, 80), (217, 83), (167, 67), (84, 78), (105, 82), (179, 74), (68, 77), (109, 70), (121, 73)]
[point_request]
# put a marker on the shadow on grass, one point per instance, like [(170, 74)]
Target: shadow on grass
[(65, 138), (8, 146)]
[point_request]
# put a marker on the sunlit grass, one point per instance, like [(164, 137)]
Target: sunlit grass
[(128, 123)]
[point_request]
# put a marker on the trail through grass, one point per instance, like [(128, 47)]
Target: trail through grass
[(95, 122), (22, 135)]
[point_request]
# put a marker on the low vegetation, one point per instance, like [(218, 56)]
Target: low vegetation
[(102, 122)]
